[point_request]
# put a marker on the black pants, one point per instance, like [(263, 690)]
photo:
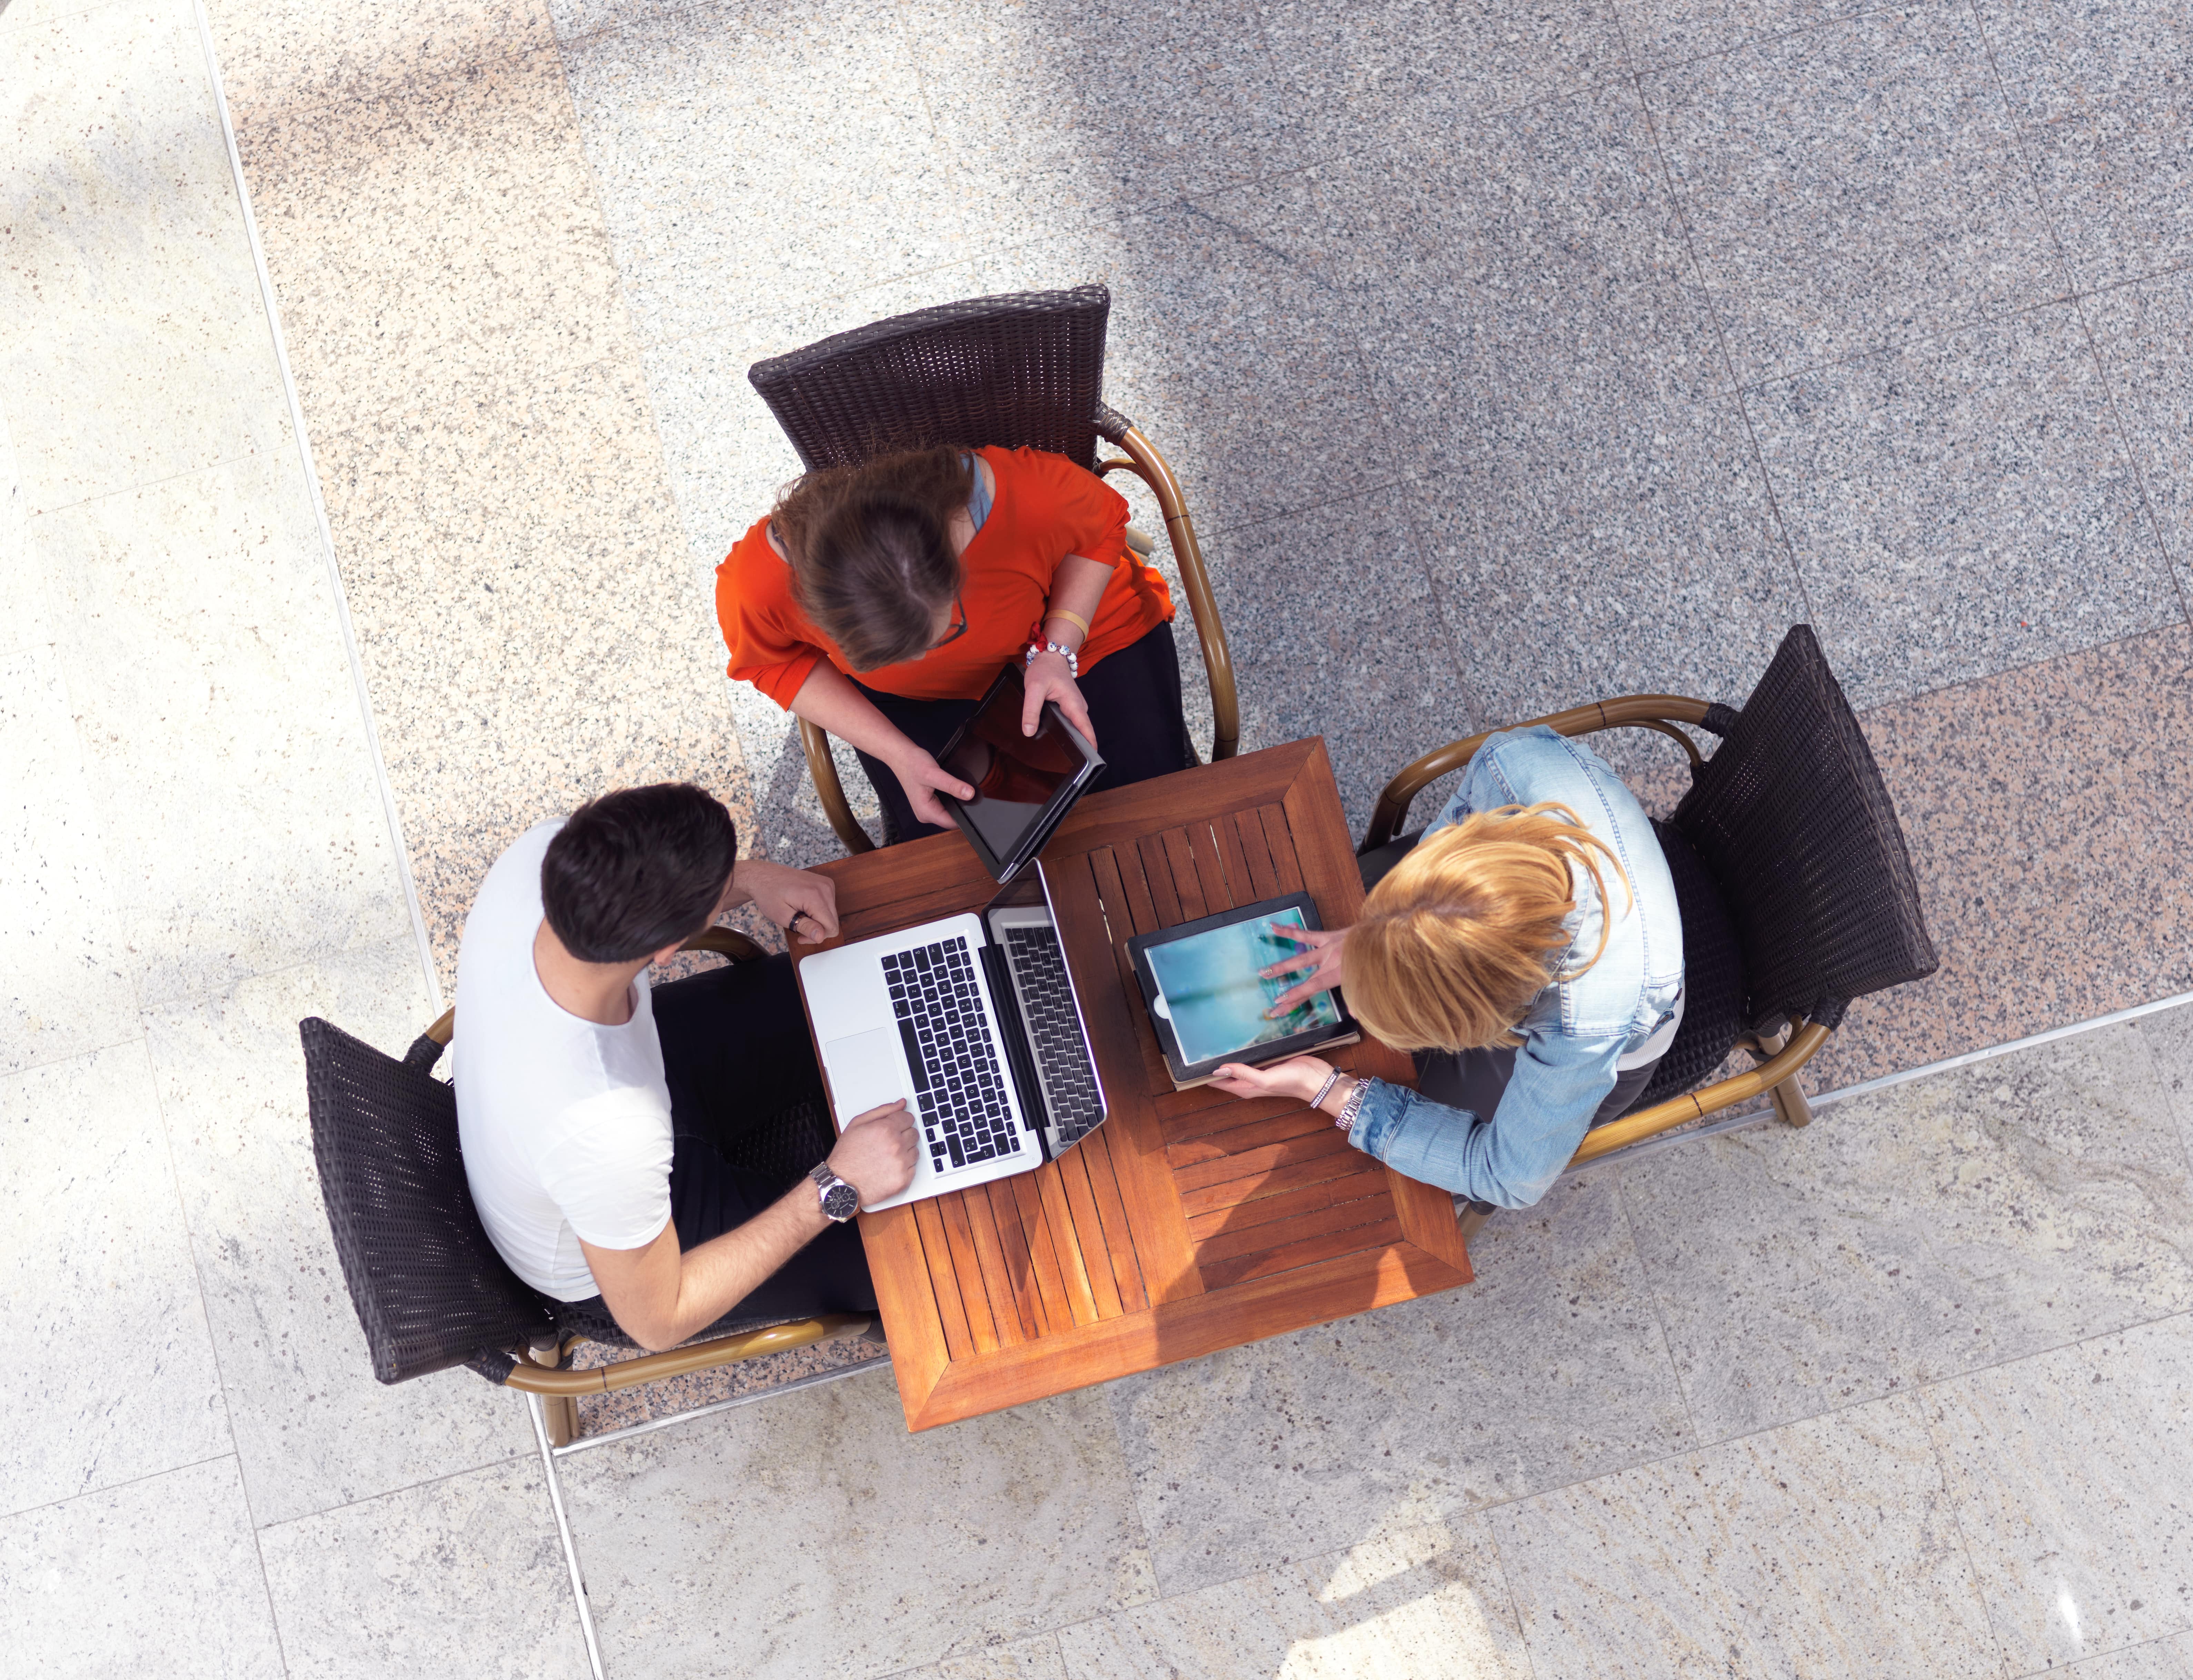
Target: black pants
[(1134, 706), (1474, 1079), (736, 1052)]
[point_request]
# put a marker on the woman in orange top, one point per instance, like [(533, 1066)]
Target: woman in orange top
[(879, 601)]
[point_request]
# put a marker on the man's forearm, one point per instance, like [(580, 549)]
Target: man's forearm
[(723, 1271)]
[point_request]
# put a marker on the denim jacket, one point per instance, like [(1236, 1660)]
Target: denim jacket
[(1577, 1030)]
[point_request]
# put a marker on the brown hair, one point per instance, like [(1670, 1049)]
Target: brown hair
[(1454, 944), (871, 549)]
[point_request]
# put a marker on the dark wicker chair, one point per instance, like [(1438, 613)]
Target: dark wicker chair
[(430, 1291), (1796, 891), (1026, 369)]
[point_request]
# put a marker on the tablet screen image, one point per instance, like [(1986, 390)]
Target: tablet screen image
[(1215, 997)]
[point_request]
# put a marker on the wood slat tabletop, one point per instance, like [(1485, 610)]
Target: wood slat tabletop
[(1189, 1220)]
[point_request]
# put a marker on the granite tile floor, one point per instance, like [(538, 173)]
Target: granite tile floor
[(1593, 348)]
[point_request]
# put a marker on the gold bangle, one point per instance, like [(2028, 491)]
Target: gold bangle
[(1071, 618)]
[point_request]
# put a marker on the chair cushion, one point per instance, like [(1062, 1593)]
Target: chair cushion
[(1712, 978), (1377, 864)]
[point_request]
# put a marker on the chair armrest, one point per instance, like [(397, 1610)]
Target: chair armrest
[(725, 942), (823, 769), (1143, 461), (1804, 1043), (682, 1361), (1649, 711)]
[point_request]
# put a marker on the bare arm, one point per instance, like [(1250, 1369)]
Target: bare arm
[(828, 699), (662, 1297), (1077, 589)]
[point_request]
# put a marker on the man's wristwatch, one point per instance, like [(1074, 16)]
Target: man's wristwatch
[(841, 1200)]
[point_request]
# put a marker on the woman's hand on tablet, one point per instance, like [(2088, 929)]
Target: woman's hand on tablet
[(1319, 964), (1297, 1076), (1048, 678), (922, 777)]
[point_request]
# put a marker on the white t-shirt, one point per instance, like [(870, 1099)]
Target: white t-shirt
[(565, 1124)]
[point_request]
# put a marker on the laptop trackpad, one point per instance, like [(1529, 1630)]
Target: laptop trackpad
[(867, 1071)]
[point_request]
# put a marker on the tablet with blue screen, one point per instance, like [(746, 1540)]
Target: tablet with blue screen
[(1203, 984)]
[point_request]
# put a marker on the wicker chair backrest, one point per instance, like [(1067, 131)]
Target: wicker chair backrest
[(1791, 819), (1713, 977), (1022, 369), (430, 1291)]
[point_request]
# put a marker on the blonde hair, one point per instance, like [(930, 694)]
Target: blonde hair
[(1453, 945)]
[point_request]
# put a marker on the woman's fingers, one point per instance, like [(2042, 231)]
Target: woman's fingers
[(1288, 965), (1289, 930)]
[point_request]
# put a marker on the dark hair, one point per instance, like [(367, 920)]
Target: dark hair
[(635, 869), (871, 549)]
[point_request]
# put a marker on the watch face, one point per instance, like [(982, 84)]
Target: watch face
[(841, 1201)]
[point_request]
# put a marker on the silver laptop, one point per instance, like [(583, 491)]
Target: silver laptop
[(973, 1019)]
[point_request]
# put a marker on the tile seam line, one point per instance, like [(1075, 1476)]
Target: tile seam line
[(267, 301), (7, 1517)]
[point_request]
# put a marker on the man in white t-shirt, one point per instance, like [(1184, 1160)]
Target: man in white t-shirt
[(590, 1106)]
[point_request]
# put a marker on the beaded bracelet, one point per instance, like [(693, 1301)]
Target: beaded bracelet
[(1072, 664), (1346, 1118)]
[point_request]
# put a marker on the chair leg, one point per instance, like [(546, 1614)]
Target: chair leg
[(1788, 1097), (1789, 1103), (1471, 1219), (561, 1413)]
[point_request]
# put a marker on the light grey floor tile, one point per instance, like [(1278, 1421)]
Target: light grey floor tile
[(1665, 32), (2168, 1035), (1961, 507), (459, 1576), (2069, 1472), (229, 774), (1823, 1550), (313, 1430), (1238, 359), (1853, 187), (2061, 56), (2145, 336), (1395, 70), (99, 1290), (2119, 181), (1921, 1232), (1522, 282), (2170, 1659), (1036, 1659), (1429, 1603), (1643, 558), (751, 150), (96, 1586), (825, 1540), (1334, 631), (1054, 113), (64, 966), (132, 341), (1550, 1368), (15, 528)]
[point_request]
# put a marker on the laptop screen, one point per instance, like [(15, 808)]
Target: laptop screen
[(1014, 776)]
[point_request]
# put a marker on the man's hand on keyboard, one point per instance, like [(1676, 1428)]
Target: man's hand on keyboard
[(875, 1155)]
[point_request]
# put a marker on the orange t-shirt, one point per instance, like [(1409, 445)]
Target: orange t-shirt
[(1045, 508)]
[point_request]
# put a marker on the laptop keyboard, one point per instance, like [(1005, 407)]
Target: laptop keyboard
[(1069, 1088), (952, 1051)]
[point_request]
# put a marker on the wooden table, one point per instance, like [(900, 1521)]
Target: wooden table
[(1189, 1220)]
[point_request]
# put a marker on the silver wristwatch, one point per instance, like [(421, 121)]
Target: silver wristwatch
[(841, 1200)]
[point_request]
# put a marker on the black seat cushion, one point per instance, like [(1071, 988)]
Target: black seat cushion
[(1712, 978)]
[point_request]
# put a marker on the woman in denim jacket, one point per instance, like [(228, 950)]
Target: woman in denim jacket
[(1490, 951)]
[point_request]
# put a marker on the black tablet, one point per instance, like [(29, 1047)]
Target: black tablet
[(1024, 785), (1203, 984)]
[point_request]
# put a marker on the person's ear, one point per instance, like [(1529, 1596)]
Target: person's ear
[(665, 954)]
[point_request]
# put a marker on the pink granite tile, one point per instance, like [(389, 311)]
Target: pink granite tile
[(600, 1413), (2045, 809), (278, 53), (443, 247), (533, 628)]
